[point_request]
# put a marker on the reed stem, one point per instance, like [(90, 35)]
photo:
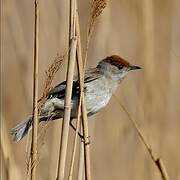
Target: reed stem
[(69, 85), (35, 94)]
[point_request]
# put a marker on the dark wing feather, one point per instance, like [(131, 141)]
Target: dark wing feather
[(59, 90), (91, 75)]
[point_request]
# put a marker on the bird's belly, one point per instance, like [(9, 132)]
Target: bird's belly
[(97, 97)]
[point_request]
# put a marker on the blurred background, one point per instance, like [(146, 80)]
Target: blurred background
[(146, 33)]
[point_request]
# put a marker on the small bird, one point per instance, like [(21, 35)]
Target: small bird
[(99, 85)]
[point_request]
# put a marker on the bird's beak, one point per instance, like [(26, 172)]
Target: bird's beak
[(132, 67)]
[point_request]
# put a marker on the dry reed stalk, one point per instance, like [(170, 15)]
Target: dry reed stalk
[(157, 160), (35, 93), (81, 161), (67, 111), (28, 156), (75, 143), (69, 83), (50, 74), (83, 107), (97, 8), (86, 140), (80, 73)]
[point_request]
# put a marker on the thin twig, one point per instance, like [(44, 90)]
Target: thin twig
[(157, 160), (69, 83), (35, 94)]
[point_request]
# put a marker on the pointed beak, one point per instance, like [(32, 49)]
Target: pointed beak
[(132, 67)]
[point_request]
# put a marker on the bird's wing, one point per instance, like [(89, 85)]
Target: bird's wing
[(91, 75), (59, 90)]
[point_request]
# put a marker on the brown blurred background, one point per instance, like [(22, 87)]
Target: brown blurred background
[(146, 33)]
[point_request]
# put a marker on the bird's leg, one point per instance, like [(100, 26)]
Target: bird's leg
[(80, 135)]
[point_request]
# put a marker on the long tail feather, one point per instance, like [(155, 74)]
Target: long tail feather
[(21, 129)]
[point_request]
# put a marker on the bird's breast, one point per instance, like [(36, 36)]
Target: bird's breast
[(98, 94)]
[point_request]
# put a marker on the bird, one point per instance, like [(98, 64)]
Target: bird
[(99, 85)]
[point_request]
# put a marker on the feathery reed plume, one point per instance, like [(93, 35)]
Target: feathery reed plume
[(50, 74), (157, 160), (97, 8)]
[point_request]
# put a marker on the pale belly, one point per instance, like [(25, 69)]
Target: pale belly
[(97, 96)]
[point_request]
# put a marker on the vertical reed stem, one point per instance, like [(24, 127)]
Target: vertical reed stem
[(81, 71), (81, 162), (69, 84), (86, 141), (35, 95), (81, 108)]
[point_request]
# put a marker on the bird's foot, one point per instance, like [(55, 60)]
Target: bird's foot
[(86, 140)]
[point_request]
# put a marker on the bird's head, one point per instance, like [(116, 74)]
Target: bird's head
[(116, 67)]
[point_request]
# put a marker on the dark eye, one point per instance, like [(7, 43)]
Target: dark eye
[(120, 66)]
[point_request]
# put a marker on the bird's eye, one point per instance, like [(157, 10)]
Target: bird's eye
[(120, 66)]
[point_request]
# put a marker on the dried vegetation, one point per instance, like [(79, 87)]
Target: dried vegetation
[(11, 167)]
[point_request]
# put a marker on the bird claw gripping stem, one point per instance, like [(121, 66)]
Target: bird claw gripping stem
[(87, 141)]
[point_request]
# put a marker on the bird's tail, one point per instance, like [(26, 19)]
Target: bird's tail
[(19, 131)]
